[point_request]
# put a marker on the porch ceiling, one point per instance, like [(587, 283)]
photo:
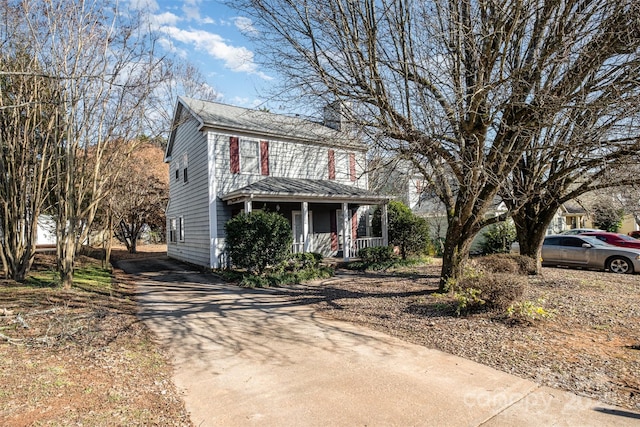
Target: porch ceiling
[(289, 189)]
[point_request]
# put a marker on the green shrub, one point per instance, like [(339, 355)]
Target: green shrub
[(468, 300), (300, 261), (406, 230), (258, 239), (528, 311), (284, 278), (376, 255), (606, 216), (497, 238)]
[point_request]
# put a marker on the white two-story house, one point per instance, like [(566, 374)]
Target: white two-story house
[(224, 160)]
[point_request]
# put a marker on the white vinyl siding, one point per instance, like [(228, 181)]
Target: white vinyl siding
[(190, 202), (199, 238)]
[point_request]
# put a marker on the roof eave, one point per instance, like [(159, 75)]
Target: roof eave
[(326, 141), (238, 197)]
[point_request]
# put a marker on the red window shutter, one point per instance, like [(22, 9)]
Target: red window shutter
[(352, 166), (332, 164), (234, 152), (354, 228), (264, 157), (333, 224)]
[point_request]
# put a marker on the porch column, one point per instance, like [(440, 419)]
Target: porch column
[(247, 206), (305, 226), (385, 226), (346, 229)]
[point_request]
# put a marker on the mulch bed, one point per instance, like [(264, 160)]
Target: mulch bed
[(591, 345)]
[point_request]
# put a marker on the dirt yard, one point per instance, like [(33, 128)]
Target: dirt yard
[(81, 357), (591, 345)]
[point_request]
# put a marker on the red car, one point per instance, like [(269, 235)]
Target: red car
[(635, 234), (615, 239)]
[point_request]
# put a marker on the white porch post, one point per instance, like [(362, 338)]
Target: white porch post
[(346, 222), (247, 206), (305, 226), (385, 226)]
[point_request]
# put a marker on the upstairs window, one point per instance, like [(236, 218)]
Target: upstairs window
[(249, 157), (185, 165)]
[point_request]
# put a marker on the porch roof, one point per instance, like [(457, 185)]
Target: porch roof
[(290, 189)]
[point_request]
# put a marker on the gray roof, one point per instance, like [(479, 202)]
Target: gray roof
[(263, 124), (272, 188)]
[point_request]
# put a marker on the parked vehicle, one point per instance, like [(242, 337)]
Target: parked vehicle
[(615, 239), (588, 252), (635, 234), (575, 231)]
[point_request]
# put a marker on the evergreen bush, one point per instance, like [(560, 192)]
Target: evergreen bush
[(258, 239)]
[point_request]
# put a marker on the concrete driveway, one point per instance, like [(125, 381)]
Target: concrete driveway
[(254, 357)]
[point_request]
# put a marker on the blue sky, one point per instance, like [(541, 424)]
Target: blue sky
[(215, 39)]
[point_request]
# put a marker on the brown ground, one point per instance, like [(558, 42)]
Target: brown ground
[(591, 346), (85, 359), (81, 358)]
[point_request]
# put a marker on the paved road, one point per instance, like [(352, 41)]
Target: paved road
[(253, 357)]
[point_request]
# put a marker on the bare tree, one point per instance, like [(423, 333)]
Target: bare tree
[(27, 138), (180, 78), (587, 151), (104, 63), (139, 196), (459, 87)]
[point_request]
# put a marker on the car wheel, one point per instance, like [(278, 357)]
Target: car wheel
[(620, 265)]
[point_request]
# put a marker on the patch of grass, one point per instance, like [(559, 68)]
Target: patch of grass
[(43, 279), (92, 279)]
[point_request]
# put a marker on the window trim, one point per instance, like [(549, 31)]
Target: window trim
[(180, 228), (173, 236), (258, 157)]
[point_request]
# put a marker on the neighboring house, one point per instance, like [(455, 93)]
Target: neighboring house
[(46, 231), (224, 160)]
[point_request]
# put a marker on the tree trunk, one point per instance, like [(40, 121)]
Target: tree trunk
[(530, 233), (455, 255), (109, 242), (66, 251)]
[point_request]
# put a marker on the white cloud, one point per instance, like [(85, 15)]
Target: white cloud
[(245, 25), (169, 46), (238, 59), (191, 12), (166, 18), (144, 5)]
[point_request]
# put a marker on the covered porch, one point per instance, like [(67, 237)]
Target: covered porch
[(326, 217)]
